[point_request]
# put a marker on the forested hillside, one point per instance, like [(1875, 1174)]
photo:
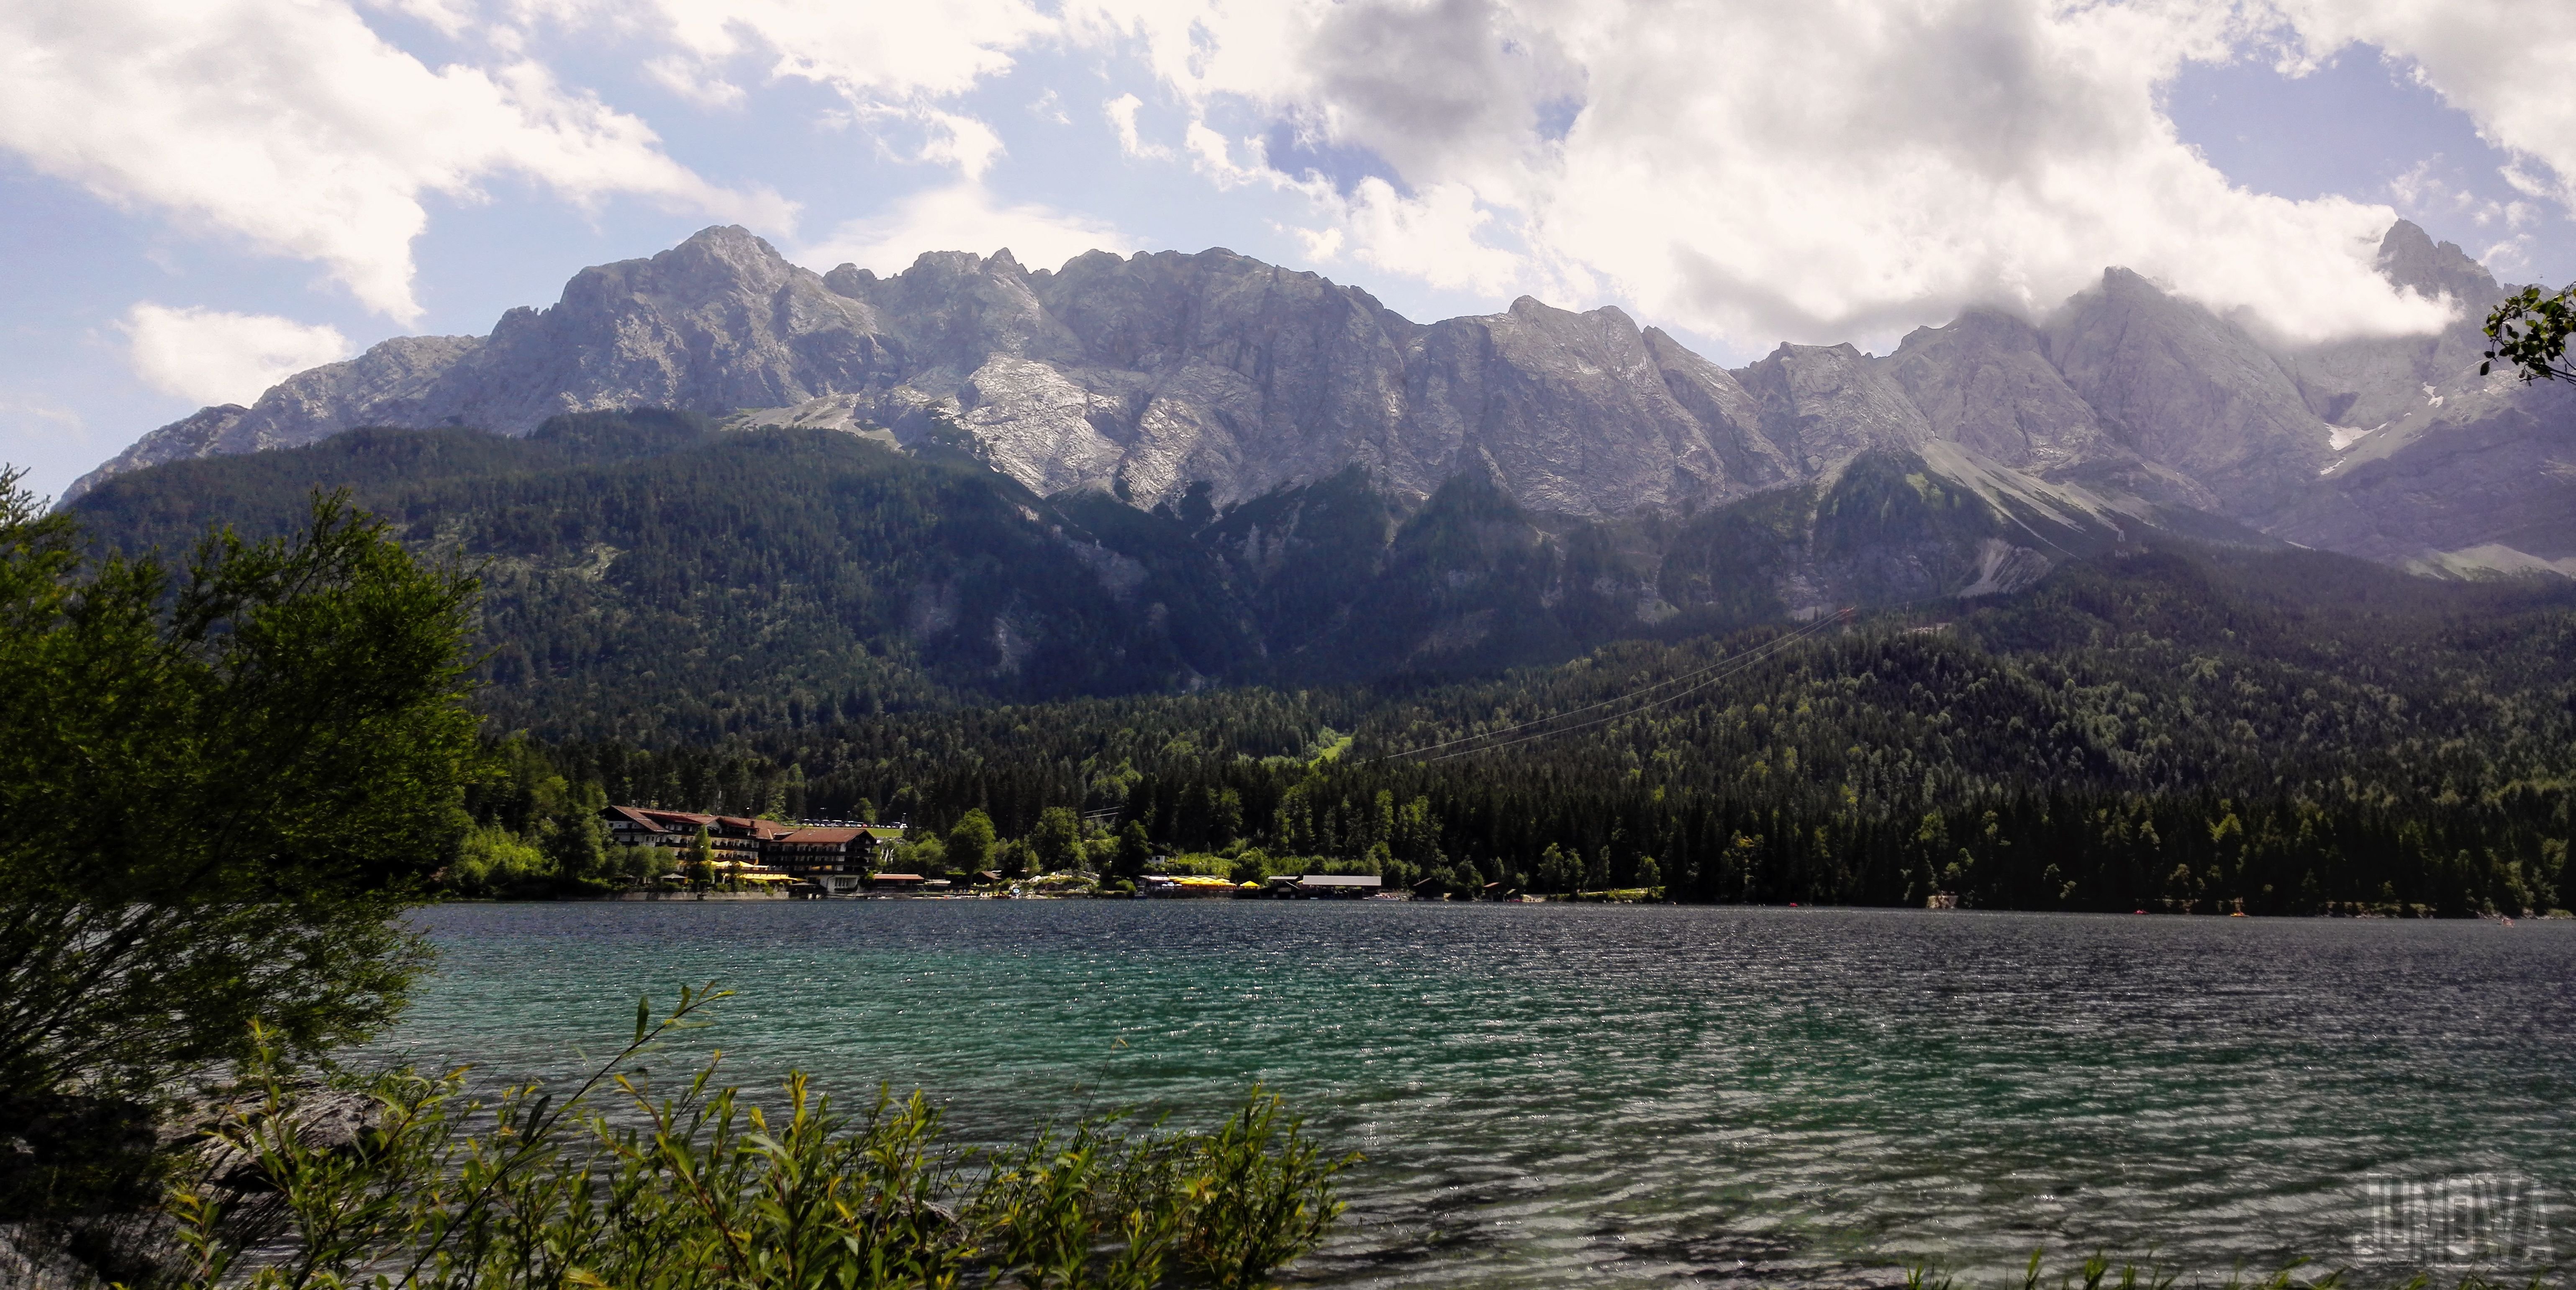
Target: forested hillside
[(650, 577), (2173, 730), (806, 622)]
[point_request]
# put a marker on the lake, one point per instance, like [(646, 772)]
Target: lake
[(1561, 1095)]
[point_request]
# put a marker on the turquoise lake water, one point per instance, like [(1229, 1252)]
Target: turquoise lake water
[(1587, 1095)]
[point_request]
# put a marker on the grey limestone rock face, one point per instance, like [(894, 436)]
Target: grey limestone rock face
[(1147, 376), (717, 323), (2364, 385), (2369, 383), (1141, 376), (2181, 386), (191, 436), (2496, 473), (2442, 469), (1221, 368), (1985, 382), (2409, 257), (1825, 404), (1732, 416), (390, 384), (1572, 413)]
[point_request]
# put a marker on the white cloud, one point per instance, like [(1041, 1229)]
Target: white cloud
[(293, 125), (1212, 155), (1322, 245), (2501, 61), (2508, 257), (1753, 170), (42, 418), (1122, 117), (896, 62), (1433, 236), (871, 52), (1741, 168), (694, 83), (960, 141), (2433, 190), (961, 217), (211, 357)]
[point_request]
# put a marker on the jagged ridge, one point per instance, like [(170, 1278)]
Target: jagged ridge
[(1145, 376)]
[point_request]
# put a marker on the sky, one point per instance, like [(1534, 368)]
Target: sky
[(198, 197)]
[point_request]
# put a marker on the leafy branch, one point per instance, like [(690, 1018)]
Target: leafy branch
[(2529, 331)]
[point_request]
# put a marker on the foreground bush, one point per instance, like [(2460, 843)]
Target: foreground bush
[(618, 1185), (219, 782)]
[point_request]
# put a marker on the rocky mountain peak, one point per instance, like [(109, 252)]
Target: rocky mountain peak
[(1986, 381), (726, 244), (2409, 257), (1216, 377), (2181, 386), (1825, 404)]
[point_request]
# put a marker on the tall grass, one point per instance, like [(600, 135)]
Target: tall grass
[(701, 1189)]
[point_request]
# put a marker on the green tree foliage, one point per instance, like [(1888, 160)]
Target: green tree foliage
[(1135, 850), (636, 866), (1559, 871), (653, 581), (696, 1186), (923, 855), (576, 840), (217, 785), (550, 824), (791, 623), (493, 861), (650, 580), (1056, 842), (700, 866), (2528, 332), (2322, 733), (970, 841)]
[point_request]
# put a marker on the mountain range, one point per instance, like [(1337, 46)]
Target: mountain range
[(713, 493), (1159, 377), (1259, 565)]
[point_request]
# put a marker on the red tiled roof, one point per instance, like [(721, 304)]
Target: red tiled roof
[(632, 816), (822, 835)]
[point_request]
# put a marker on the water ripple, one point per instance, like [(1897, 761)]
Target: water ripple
[(1552, 1095)]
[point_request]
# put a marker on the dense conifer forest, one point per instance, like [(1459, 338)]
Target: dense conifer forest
[(806, 624), (2181, 730), (651, 578)]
